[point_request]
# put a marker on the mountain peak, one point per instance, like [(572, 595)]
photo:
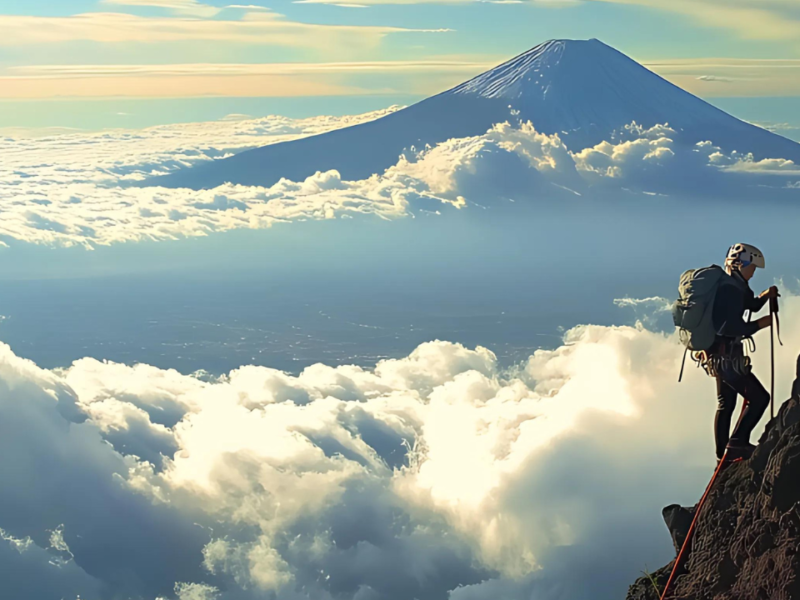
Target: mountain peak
[(570, 42), (582, 90), (532, 71)]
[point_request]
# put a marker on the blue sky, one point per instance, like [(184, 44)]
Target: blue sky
[(101, 63)]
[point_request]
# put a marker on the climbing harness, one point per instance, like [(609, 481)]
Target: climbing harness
[(729, 357), (683, 555)]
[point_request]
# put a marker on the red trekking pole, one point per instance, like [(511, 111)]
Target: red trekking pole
[(683, 555)]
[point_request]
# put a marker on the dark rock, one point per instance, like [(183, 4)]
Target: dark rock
[(678, 519), (747, 541), (649, 587)]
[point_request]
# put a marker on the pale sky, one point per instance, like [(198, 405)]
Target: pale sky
[(355, 55)]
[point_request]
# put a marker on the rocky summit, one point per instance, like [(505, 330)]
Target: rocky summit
[(747, 542)]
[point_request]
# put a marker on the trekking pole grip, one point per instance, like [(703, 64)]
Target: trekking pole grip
[(773, 309)]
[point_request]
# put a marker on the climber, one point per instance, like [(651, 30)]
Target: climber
[(725, 359)]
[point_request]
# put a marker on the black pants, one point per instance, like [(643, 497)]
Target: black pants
[(731, 384)]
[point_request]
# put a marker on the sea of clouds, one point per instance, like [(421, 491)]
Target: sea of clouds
[(435, 476), (440, 475), (82, 188)]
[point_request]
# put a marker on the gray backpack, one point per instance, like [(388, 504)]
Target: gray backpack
[(692, 311)]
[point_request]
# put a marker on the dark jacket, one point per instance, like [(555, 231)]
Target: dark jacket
[(730, 305)]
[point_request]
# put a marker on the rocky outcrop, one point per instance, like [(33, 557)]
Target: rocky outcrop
[(747, 542)]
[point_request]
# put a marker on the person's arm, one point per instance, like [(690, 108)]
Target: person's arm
[(756, 303), (729, 309)]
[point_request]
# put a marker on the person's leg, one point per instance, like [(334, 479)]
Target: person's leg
[(726, 404), (756, 400)]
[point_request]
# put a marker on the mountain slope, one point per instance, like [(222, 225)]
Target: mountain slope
[(583, 90), (747, 542)]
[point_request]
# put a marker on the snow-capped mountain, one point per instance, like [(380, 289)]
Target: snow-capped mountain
[(583, 90)]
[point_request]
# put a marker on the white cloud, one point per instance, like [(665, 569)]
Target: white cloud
[(706, 77), (236, 117), (713, 78), (196, 591), (35, 571), (222, 69), (20, 545), (425, 474), (651, 147), (76, 189), (77, 490), (247, 7), (260, 28), (214, 79), (710, 77), (191, 8), (777, 166), (653, 313), (658, 301), (66, 189), (548, 3)]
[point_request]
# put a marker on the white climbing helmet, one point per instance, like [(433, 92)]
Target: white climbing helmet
[(742, 255)]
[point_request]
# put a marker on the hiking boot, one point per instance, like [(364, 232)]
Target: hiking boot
[(741, 450)]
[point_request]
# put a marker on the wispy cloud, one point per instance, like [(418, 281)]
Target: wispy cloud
[(764, 19), (749, 19), (187, 7), (247, 7), (713, 78), (230, 80), (259, 28), (366, 3), (245, 69), (777, 126), (178, 86), (707, 77), (767, 166), (182, 7), (732, 76)]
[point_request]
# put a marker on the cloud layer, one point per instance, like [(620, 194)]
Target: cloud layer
[(263, 80), (259, 27), (720, 77), (705, 77), (438, 475), (191, 8), (71, 189), (765, 20), (76, 189)]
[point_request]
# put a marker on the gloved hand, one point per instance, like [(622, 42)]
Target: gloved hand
[(772, 292)]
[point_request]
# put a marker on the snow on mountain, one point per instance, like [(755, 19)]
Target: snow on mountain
[(512, 79), (583, 90)]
